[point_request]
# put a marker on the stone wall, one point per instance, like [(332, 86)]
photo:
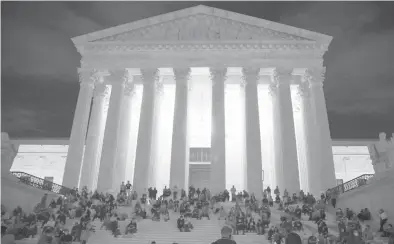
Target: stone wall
[(379, 193), (14, 193)]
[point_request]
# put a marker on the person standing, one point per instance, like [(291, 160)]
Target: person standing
[(383, 219), (334, 196)]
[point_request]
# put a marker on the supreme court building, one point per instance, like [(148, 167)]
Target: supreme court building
[(276, 117)]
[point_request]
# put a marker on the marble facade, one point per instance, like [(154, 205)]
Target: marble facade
[(171, 45)]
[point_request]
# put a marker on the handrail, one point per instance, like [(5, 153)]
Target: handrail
[(40, 183), (352, 184)]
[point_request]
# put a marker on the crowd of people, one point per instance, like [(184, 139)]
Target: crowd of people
[(247, 214)]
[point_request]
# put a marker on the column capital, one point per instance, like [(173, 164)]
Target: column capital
[(312, 76), (85, 77), (272, 89), (282, 76), (150, 76), (99, 75), (181, 74), (129, 89), (116, 77), (277, 76), (250, 76), (303, 90), (101, 90), (218, 75)]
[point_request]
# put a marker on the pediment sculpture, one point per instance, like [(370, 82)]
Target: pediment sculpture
[(200, 27), (382, 153)]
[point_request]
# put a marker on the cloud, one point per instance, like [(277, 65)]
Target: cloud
[(36, 38), (111, 14), (359, 61), (19, 121)]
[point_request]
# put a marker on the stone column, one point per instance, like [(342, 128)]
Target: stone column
[(218, 138), (117, 79), (144, 141), (179, 160), (254, 165), (312, 171), (95, 134), (155, 141), (72, 169), (315, 79), (286, 162), (124, 131)]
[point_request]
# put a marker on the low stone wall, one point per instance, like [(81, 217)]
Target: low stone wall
[(14, 193), (379, 193)]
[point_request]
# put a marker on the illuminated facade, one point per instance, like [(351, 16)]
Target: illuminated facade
[(245, 92)]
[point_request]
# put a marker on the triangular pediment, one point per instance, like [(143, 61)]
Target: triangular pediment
[(202, 23)]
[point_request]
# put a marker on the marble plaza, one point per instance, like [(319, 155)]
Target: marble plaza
[(260, 59)]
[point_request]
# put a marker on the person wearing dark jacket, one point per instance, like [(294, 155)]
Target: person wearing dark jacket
[(181, 223), (226, 236)]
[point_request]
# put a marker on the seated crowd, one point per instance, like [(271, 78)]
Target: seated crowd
[(248, 214)]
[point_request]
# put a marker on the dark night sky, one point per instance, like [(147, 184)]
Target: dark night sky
[(39, 61)]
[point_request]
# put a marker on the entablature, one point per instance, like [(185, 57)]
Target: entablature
[(198, 46), (203, 59)]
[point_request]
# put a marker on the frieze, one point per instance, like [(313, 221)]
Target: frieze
[(200, 27), (209, 46)]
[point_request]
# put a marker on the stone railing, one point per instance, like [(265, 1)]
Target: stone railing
[(352, 184), (40, 183)]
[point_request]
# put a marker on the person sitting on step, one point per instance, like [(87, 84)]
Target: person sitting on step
[(388, 231), (188, 212), (181, 223), (277, 199), (251, 226), (297, 225), (260, 228), (240, 224), (166, 216), (364, 215), (222, 213), (170, 205), (155, 214), (280, 208), (188, 225), (131, 228), (270, 233), (196, 213)]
